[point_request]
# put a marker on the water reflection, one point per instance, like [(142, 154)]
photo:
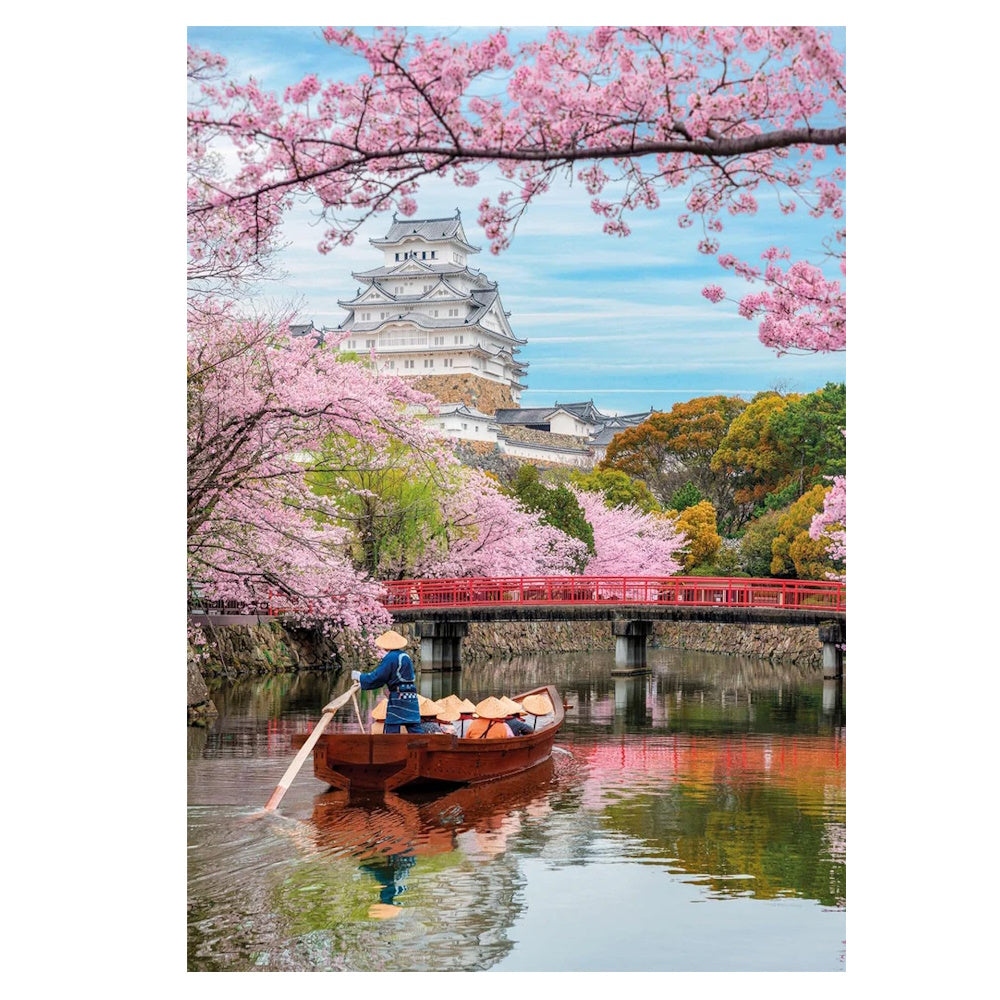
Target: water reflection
[(725, 778)]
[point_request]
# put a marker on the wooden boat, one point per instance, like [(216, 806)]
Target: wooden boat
[(361, 762)]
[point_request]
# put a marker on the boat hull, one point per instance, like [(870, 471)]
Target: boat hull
[(359, 762)]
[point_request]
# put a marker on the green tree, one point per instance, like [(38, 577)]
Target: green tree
[(755, 549), (619, 488), (687, 496), (391, 500), (811, 431), (557, 505)]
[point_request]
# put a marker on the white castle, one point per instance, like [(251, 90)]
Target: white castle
[(425, 314)]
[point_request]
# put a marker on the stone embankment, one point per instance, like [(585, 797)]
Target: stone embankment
[(242, 650)]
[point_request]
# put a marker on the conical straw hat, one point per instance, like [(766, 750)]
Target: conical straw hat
[(391, 640), (427, 707), (378, 712), (513, 708), (491, 708), (377, 727), (451, 702), (448, 713), (537, 704), (466, 707)]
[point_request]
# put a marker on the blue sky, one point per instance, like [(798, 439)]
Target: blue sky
[(619, 321)]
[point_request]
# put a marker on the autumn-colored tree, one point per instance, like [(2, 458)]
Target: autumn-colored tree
[(699, 527), (794, 552), (750, 455), (671, 449), (618, 488), (644, 452)]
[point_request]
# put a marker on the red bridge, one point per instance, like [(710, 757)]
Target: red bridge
[(810, 596), (441, 609)]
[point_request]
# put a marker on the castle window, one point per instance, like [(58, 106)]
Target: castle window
[(397, 256), (438, 340), (434, 254), (369, 343), (460, 340), (428, 364), (408, 364), (423, 255)]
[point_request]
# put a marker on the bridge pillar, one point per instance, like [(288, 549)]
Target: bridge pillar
[(441, 644), (630, 644), (831, 634)]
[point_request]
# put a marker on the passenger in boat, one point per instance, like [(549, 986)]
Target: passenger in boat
[(395, 671), (540, 707), (429, 715), (488, 723), (463, 710), (446, 719), (467, 712), (515, 719)]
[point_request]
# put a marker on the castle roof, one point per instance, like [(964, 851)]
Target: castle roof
[(431, 230), (462, 410)]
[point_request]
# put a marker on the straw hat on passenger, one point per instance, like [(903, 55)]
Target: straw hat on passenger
[(513, 708), (491, 708), (448, 713), (377, 727), (378, 712), (466, 707), (391, 640), (537, 704), (451, 702), (428, 708)]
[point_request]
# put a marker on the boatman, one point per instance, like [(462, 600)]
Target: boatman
[(395, 671)]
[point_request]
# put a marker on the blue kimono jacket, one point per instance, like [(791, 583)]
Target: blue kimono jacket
[(395, 671)]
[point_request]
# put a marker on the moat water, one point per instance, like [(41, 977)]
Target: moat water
[(691, 819)]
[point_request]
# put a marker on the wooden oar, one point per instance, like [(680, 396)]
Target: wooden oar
[(293, 769), (357, 711)]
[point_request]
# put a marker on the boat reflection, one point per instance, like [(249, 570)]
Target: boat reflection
[(388, 833)]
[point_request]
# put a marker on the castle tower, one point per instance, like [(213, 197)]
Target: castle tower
[(427, 315)]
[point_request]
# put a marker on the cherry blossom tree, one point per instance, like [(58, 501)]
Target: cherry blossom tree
[(720, 114), (629, 542), (261, 403), (831, 523), (488, 533)]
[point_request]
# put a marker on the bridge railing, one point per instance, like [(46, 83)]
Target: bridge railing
[(738, 592)]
